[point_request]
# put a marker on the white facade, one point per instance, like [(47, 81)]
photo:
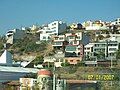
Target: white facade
[(96, 25), (45, 37), (74, 36), (88, 49), (58, 40), (97, 28), (53, 28), (14, 34), (71, 38), (108, 48), (49, 59), (74, 49), (6, 58), (116, 22), (113, 37)]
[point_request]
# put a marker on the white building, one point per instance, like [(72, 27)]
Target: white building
[(106, 48), (45, 37), (88, 49), (116, 22), (14, 34), (49, 59), (112, 37), (58, 40), (96, 25), (54, 28)]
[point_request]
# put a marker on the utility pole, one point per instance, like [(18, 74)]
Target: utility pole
[(54, 78), (111, 63)]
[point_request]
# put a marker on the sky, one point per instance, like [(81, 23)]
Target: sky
[(18, 13)]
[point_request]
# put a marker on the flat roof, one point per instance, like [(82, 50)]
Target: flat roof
[(89, 45)]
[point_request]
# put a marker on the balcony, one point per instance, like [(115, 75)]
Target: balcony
[(57, 44)]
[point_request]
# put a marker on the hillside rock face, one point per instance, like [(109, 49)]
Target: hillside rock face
[(24, 57)]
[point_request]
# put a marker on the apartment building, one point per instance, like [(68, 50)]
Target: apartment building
[(68, 38), (58, 41), (54, 28), (72, 46), (88, 50), (71, 37), (116, 22), (103, 49), (95, 25), (74, 50)]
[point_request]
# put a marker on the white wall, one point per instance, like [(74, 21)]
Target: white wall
[(6, 58)]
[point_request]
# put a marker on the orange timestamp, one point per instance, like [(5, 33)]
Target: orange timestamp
[(104, 77)]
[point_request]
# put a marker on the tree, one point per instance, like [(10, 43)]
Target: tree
[(118, 54), (38, 60), (100, 55), (2, 41), (66, 63), (100, 37), (1, 46)]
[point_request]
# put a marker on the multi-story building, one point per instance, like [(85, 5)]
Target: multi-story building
[(74, 50), (58, 41), (73, 38), (72, 45), (96, 25), (74, 53), (45, 37), (111, 37), (54, 28), (104, 49), (88, 50), (13, 35), (68, 38), (116, 22)]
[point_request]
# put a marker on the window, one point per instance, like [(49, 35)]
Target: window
[(71, 60), (70, 48), (53, 28), (112, 49), (88, 48), (112, 45), (75, 42), (111, 54), (78, 60), (56, 38), (48, 37), (48, 31), (61, 38), (78, 37), (44, 37), (58, 43), (79, 48), (97, 45), (71, 37), (103, 45), (88, 52)]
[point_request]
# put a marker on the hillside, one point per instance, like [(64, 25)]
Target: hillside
[(27, 47)]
